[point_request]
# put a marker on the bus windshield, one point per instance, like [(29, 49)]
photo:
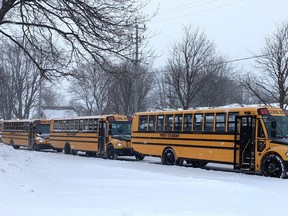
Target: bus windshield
[(120, 128), (277, 126), (43, 129)]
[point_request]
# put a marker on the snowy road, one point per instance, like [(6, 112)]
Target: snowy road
[(45, 183)]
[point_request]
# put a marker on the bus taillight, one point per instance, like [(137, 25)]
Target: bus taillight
[(110, 118), (263, 111)]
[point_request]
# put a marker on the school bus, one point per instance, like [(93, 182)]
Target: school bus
[(105, 135), (31, 133), (252, 139)]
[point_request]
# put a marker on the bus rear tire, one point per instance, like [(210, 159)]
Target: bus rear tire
[(198, 163), (139, 156), (14, 146), (273, 166), (168, 157)]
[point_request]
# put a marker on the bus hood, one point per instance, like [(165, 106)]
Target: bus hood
[(283, 141), (126, 138)]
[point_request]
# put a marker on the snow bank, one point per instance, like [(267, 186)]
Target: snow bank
[(50, 183)]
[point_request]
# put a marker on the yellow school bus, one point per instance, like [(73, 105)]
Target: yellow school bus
[(105, 136), (31, 133), (252, 139)]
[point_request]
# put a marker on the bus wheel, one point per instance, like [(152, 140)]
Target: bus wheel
[(73, 152), (179, 162), (196, 163), (139, 156), (273, 166), (67, 149), (111, 153), (14, 146), (168, 157), (35, 147)]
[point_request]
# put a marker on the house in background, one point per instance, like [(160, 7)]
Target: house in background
[(49, 112)]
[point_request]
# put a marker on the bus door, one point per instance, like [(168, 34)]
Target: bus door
[(244, 146), (31, 132), (101, 138)]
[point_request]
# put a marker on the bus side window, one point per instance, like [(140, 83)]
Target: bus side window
[(178, 123), (187, 122), (143, 123), (95, 128), (90, 124), (160, 123), (220, 122), (198, 122), (209, 122), (260, 130), (81, 124), (152, 119), (232, 121), (169, 122)]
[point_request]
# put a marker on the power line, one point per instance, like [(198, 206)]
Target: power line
[(231, 61), (185, 7), (203, 11)]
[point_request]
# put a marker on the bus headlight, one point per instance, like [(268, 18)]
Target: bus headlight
[(286, 154), (119, 145), (40, 139)]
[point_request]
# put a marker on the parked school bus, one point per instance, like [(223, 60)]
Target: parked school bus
[(251, 139), (33, 133), (106, 135)]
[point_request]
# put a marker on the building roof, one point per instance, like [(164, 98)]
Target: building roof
[(50, 112)]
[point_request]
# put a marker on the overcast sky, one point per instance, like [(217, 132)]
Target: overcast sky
[(237, 27)]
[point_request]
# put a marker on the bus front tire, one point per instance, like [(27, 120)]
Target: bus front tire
[(111, 152), (67, 149), (273, 166), (168, 157), (35, 147)]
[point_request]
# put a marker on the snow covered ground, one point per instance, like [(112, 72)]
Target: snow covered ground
[(50, 183)]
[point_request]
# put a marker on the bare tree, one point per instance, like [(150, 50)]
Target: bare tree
[(122, 88), (221, 88), (271, 85), (71, 30), (90, 87), (192, 65), (21, 85), (98, 92)]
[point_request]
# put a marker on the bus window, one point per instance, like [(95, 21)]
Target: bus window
[(187, 122), (198, 122), (220, 122), (160, 123), (169, 122), (90, 124), (232, 121), (143, 123), (260, 130), (95, 125), (209, 122), (178, 123), (81, 125), (152, 119)]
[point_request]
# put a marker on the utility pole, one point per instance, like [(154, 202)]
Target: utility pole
[(137, 72), (136, 67), (40, 97)]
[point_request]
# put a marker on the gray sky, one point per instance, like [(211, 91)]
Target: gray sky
[(237, 27)]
